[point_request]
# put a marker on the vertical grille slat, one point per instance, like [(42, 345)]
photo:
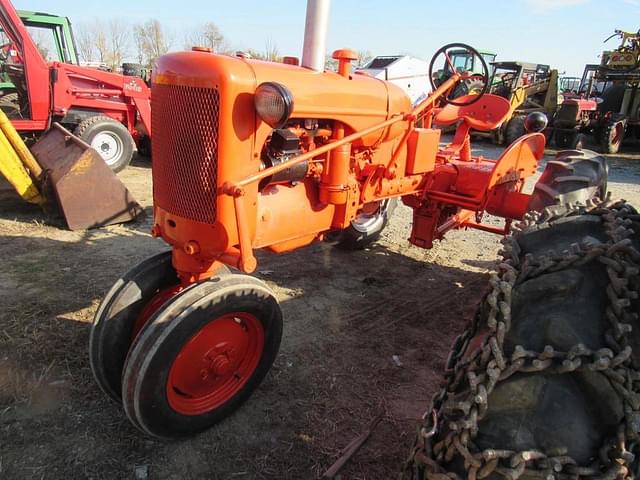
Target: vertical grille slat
[(184, 125)]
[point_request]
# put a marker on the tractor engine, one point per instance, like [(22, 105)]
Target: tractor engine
[(220, 119)]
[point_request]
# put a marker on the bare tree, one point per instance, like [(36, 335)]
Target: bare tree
[(43, 44), (364, 57), (330, 63), (209, 35), (85, 42), (152, 41), (100, 41), (271, 51), (118, 43)]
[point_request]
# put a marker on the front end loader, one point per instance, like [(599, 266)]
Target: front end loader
[(528, 87), (61, 172), (259, 155)]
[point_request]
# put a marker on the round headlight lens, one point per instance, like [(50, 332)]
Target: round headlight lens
[(274, 103)]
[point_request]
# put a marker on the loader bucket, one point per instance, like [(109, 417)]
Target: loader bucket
[(87, 192)]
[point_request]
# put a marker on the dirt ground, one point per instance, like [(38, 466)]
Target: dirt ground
[(346, 316)]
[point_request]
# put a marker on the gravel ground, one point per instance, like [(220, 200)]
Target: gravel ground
[(347, 315)]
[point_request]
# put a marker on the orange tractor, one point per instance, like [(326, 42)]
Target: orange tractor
[(253, 155)]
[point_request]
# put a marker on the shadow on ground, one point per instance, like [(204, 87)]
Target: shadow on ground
[(347, 314)]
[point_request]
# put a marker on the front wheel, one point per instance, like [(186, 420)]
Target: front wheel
[(109, 138), (201, 356), (123, 312)]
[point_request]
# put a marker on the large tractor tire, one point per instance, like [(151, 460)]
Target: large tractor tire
[(133, 70), (612, 99), (544, 382), (10, 105), (109, 138), (573, 176)]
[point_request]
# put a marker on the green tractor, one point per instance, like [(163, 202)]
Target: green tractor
[(529, 87), (463, 61), (54, 38)]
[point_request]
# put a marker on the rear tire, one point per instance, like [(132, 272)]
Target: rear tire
[(573, 176), (366, 229), (515, 129), (557, 404), (569, 140), (612, 136), (201, 356), (133, 70), (10, 105), (110, 139)]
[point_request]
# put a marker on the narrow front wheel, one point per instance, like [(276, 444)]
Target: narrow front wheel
[(201, 356)]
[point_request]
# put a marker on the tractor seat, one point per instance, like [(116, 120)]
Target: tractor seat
[(484, 115)]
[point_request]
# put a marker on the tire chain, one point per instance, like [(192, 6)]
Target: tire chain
[(489, 365)]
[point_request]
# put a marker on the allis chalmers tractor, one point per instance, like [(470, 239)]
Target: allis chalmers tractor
[(259, 155), (109, 111)]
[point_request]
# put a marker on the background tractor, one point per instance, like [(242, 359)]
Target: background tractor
[(620, 108), (109, 111), (528, 87), (463, 61), (607, 104)]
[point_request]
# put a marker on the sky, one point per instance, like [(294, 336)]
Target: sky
[(565, 34)]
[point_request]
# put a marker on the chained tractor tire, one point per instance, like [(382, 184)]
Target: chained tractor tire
[(544, 382)]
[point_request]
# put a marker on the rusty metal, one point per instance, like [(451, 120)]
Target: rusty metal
[(88, 193), (490, 365)]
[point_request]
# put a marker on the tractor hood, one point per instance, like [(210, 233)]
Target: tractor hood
[(357, 101)]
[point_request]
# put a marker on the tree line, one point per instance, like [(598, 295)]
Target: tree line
[(115, 41)]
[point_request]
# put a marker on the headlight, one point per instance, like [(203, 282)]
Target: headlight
[(274, 103)]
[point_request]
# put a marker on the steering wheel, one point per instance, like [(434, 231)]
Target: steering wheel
[(450, 69)]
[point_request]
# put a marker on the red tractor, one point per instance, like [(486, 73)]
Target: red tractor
[(260, 155), (109, 111)]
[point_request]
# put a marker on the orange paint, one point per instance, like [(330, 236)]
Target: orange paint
[(358, 144)]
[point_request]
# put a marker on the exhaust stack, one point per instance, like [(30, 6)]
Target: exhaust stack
[(315, 34)]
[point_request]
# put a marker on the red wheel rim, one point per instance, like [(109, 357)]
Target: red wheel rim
[(215, 363), (152, 306)]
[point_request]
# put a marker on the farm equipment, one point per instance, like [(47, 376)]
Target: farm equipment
[(608, 104), (259, 155), (620, 108), (528, 87), (62, 171), (109, 111)]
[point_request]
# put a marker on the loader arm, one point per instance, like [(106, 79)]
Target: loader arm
[(34, 64)]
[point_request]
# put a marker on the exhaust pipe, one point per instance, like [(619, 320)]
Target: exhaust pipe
[(315, 34)]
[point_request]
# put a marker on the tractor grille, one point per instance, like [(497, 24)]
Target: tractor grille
[(184, 125)]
